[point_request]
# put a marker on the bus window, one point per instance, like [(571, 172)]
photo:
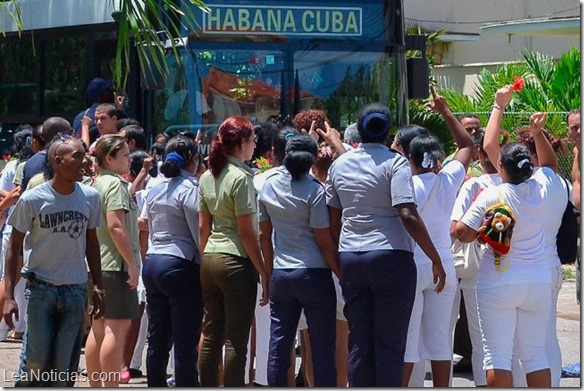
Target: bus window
[(340, 82), (211, 85)]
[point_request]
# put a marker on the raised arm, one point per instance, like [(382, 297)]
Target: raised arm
[(491, 142), (461, 136), (543, 148), (332, 138)]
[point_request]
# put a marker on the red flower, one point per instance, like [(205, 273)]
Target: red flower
[(518, 84)]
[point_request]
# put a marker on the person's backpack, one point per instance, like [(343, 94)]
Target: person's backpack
[(567, 237)]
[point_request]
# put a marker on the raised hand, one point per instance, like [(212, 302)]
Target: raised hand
[(503, 96), (438, 104), (537, 122)]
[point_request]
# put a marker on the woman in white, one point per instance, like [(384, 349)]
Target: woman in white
[(430, 331), (467, 282), (559, 196), (514, 298)]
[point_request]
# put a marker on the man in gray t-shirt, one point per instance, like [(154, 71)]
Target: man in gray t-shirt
[(55, 222)]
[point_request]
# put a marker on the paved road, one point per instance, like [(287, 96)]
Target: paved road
[(568, 332)]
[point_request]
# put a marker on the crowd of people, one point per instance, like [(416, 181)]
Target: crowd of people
[(349, 245)]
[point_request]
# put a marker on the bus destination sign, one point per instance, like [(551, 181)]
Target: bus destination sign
[(287, 20)]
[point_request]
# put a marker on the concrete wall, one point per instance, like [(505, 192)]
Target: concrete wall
[(462, 60)]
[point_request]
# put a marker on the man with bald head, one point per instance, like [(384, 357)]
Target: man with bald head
[(51, 127), (56, 224)]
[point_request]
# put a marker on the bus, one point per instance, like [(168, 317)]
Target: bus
[(262, 59), (268, 59)]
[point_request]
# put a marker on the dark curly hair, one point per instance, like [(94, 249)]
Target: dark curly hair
[(304, 119), (524, 137)]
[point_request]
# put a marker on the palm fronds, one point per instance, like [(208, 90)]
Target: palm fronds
[(149, 25)]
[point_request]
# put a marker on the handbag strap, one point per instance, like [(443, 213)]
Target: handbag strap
[(432, 193)]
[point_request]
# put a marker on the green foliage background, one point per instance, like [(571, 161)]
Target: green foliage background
[(550, 86)]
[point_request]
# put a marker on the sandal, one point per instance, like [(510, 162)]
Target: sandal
[(14, 336), (125, 377)]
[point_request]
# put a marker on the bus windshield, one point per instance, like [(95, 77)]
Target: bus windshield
[(268, 60)]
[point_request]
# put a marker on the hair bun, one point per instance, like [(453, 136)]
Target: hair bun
[(175, 158)]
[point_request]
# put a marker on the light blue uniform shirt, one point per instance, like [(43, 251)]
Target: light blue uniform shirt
[(295, 208), (173, 218), (366, 183)]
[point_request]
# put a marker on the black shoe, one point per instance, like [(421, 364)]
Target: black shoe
[(299, 380), (462, 367), (135, 373)]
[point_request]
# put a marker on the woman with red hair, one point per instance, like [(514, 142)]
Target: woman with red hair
[(231, 257)]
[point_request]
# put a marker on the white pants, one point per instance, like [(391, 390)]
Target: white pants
[(468, 288), (517, 312), (430, 331), (262, 340), (136, 362), (552, 347)]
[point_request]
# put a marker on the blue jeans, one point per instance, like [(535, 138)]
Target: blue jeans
[(52, 340), (379, 289), (292, 290), (175, 316)]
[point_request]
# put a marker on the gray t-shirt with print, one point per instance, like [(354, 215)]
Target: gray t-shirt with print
[(55, 227)]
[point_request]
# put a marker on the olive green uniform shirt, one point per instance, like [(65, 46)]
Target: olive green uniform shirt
[(115, 195), (19, 173), (230, 195)]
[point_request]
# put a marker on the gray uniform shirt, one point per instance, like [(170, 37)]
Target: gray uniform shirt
[(294, 208), (366, 183), (55, 227), (173, 218)]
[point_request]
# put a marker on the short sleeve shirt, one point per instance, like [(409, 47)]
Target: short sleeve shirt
[(116, 196), (173, 219), (33, 166), (229, 195), (295, 208), (367, 183), (435, 196), (55, 226), (19, 173), (469, 191), (529, 201)]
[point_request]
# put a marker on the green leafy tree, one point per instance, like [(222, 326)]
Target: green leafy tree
[(148, 25), (552, 86)]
